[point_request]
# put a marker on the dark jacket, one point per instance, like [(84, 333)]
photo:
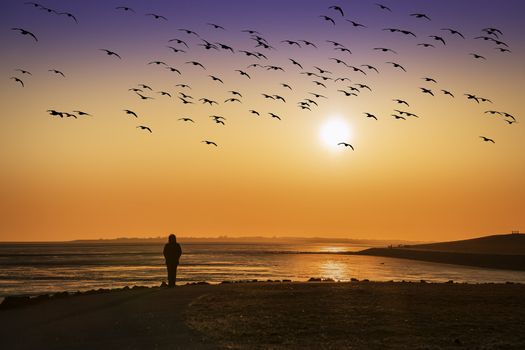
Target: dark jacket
[(172, 253)]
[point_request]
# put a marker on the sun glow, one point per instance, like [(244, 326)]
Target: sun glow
[(335, 130)]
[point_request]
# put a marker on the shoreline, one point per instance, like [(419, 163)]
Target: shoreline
[(292, 315), (22, 300)]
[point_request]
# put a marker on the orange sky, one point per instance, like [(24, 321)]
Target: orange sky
[(426, 179)]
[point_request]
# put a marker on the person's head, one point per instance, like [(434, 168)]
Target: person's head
[(172, 238)]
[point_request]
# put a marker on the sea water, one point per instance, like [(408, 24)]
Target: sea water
[(36, 268)]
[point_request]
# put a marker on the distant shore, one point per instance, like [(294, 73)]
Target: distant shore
[(291, 315), (493, 261)]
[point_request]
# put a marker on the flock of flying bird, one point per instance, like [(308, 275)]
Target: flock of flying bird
[(321, 77)]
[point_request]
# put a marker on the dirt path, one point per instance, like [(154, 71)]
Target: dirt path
[(135, 319)]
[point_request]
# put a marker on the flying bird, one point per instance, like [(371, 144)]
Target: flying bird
[(214, 78), (131, 113), (18, 80), (25, 32), (420, 15), (384, 49), (328, 19), (81, 113), (397, 65), (346, 145), (337, 8), (70, 15), (437, 38), (188, 31), (486, 139), (144, 86), (254, 112), (124, 8), (453, 31), (175, 50), (425, 45), (355, 24), (446, 92), (56, 72), (111, 53), (235, 93), (174, 70), (164, 93), (370, 115), (187, 120), (273, 115), (179, 41), (23, 71), (475, 55), (209, 143), (156, 16), (142, 127), (216, 26), (195, 63), (383, 7), (243, 73), (427, 91), (144, 97), (432, 80), (307, 43), (401, 102)]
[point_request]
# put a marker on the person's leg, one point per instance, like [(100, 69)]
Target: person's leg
[(172, 273)]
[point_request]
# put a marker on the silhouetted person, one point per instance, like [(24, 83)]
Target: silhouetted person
[(172, 253)]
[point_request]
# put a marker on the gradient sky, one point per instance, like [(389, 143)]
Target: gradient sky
[(430, 178)]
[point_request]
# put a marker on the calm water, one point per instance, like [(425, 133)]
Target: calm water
[(44, 268)]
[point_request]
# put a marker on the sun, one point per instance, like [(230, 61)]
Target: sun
[(335, 130)]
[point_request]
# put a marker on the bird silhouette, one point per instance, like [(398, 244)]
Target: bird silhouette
[(156, 16), (291, 42), (210, 102), (185, 101), (164, 93), (70, 15), (232, 99), (174, 70), (184, 86), (337, 8), (486, 139), (383, 7), (437, 38), (454, 32), (209, 143), (370, 115), (189, 32), (179, 41), (144, 97), (187, 120), (214, 78), (425, 45), (142, 127), (175, 50), (328, 19), (446, 92), (420, 15), (235, 93), (431, 80), (55, 113), (124, 8), (57, 72), (397, 65), (346, 145), (81, 113), (472, 97), (241, 72), (501, 49), (475, 55), (195, 63), (493, 112), (273, 115), (144, 86), (508, 115), (370, 67), (23, 71), (25, 32), (18, 80), (427, 91), (254, 112), (384, 49), (215, 26), (355, 24), (111, 53), (398, 117), (286, 86), (131, 113), (401, 102), (347, 93), (307, 43)]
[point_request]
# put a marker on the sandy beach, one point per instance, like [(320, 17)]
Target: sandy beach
[(266, 315)]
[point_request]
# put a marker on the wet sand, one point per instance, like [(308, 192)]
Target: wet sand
[(358, 315)]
